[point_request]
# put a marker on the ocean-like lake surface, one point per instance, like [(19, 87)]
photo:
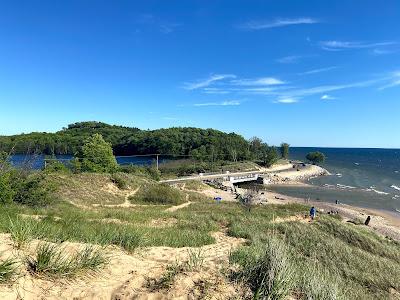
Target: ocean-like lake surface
[(362, 177)]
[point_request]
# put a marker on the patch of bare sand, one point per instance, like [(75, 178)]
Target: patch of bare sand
[(297, 218), (163, 222), (126, 275), (175, 208), (110, 220), (37, 217)]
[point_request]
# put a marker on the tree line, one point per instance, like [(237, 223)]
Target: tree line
[(202, 144)]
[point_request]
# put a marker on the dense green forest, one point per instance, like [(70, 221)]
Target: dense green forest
[(200, 143)]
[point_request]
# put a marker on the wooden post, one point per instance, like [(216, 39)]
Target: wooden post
[(157, 161)]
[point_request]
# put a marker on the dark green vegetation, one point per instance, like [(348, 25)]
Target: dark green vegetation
[(158, 194), (284, 150), (201, 144), (96, 156), (22, 186), (315, 157)]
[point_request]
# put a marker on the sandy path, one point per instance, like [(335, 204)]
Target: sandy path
[(126, 275), (126, 203), (175, 208)]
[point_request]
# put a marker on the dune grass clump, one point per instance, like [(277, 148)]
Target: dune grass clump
[(160, 194), (50, 260), (7, 270), (21, 231), (167, 279), (196, 259), (267, 269)]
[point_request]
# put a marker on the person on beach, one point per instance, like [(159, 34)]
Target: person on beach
[(312, 213)]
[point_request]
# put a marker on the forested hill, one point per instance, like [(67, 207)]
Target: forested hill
[(128, 141)]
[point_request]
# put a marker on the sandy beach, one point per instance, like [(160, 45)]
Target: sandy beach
[(383, 222)]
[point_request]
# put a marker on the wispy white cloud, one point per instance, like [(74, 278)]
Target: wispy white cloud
[(327, 97), (329, 88), (287, 100), (315, 71), (379, 51), (258, 25), (213, 90), (394, 81), (345, 45), (291, 59), (207, 82), (168, 27), (223, 103), (258, 81)]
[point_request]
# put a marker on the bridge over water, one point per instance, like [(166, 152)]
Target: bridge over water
[(236, 177)]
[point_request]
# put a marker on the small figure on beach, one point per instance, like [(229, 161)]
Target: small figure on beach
[(313, 212), (337, 201), (367, 220)]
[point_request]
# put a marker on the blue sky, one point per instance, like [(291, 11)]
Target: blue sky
[(311, 73)]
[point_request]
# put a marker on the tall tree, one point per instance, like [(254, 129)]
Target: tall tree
[(284, 150), (97, 155)]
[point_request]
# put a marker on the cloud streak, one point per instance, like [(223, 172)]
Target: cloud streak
[(291, 59), (207, 82), (259, 25), (264, 81), (327, 97), (394, 81), (223, 103), (287, 100), (315, 71), (346, 45)]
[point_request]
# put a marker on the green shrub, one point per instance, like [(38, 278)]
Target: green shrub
[(31, 189), (97, 155), (158, 194), (6, 191), (119, 181), (56, 166), (148, 171)]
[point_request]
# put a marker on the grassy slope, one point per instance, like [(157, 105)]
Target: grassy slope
[(328, 258)]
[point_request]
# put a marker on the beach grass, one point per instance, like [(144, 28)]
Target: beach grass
[(50, 260), (7, 270), (324, 259)]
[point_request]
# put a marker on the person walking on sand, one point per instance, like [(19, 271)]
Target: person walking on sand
[(312, 213)]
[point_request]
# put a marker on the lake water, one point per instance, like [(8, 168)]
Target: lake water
[(37, 161), (363, 177)]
